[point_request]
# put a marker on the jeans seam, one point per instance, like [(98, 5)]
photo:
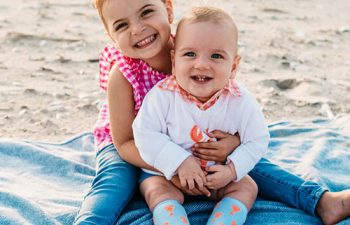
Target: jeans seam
[(316, 195), (116, 216)]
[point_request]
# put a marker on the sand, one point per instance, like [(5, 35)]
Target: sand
[(295, 60)]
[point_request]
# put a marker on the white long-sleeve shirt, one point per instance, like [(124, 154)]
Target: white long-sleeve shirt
[(162, 128)]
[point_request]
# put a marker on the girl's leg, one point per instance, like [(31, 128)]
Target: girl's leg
[(280, 185), (111, 190), (334, 206), (276, 183)]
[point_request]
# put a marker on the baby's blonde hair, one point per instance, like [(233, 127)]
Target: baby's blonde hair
[(209, 14), (98, 4)]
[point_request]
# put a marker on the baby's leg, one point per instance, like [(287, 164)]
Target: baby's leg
[(237, 200), (164, 200)]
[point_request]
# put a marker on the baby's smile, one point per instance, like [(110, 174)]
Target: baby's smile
[(201, 78)]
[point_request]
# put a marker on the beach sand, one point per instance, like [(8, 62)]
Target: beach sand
[(295, 60)]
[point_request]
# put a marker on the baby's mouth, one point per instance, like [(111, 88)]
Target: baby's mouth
[(147, 41), (201, 78)]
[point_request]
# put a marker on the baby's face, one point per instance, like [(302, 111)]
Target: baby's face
[(205, 57)]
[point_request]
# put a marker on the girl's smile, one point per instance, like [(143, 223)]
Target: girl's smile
[(146, 42)]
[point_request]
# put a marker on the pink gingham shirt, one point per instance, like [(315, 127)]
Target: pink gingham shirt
[(141, 77)]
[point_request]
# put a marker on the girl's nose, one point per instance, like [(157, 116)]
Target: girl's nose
[(137, 28)]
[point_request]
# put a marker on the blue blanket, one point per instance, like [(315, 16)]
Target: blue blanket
[(44, 183)]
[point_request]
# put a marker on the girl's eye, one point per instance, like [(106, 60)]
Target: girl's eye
[(146, 12), (190, 54), (216, 56), (120, 26)]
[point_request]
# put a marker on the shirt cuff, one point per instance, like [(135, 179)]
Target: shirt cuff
[(170, 158)]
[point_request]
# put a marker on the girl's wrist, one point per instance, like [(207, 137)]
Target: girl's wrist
[(233, 170)]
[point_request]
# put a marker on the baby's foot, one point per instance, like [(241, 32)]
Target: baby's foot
[(334, 207)]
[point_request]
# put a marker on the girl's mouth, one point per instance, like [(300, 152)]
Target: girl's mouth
[(146, 42)]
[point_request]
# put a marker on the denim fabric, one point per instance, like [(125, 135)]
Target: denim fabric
[(277, 184), (144, 175), (111, 190)]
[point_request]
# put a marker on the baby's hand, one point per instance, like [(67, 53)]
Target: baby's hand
[(191, 174), (217, 150), (219, 176), (195, 191)]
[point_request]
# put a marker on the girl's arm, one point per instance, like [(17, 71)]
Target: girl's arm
[(122, 114), (217, 150)]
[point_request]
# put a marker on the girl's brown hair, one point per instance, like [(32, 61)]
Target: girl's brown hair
[(98, 4)]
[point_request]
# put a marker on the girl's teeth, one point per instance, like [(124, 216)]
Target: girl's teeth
[(146, 41)]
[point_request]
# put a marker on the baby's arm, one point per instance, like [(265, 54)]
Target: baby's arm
[(151, 134), (254, 136), (122, 114)]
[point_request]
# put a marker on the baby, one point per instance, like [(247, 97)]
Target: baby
[(182, 109)]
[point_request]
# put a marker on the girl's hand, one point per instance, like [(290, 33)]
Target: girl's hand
[(219, 176), (191, 174), (195, 191), (217, 150)]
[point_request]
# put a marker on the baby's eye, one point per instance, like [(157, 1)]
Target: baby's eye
[(190, 54), (146, 12), (120, 26), (217, 56)]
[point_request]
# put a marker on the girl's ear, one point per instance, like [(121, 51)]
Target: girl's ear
[(170, 10), (110, 37), (235, 64)]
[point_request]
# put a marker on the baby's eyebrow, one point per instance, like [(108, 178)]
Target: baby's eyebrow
[(187, 49), (221, 51)]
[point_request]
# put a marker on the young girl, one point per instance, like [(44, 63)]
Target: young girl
[(140, 57)]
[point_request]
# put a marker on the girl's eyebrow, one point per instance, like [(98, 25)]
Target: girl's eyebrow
[(145, 6)]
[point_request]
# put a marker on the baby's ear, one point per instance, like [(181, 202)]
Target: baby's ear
[(235, 64), (236, 61)]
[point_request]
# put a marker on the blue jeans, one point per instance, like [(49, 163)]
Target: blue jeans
[(277, 184), (116, 181), (111, 190)]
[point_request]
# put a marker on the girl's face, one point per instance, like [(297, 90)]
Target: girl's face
[(139, 28)]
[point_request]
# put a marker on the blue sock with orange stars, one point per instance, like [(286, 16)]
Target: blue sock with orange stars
[(169, 212), (228, 211)]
